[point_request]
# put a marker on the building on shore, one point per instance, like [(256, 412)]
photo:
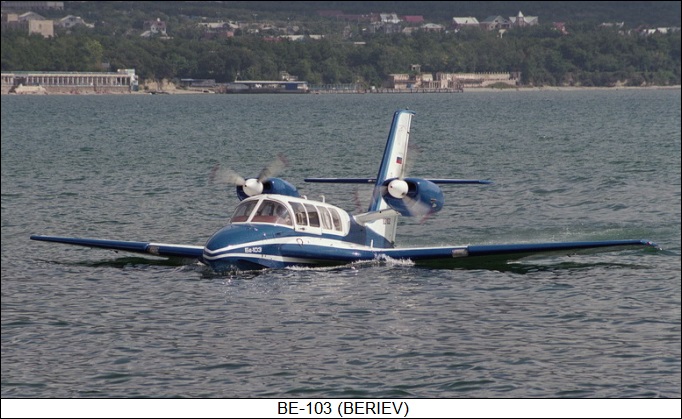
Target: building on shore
[(440, 81), (267, 86), (46, 82)]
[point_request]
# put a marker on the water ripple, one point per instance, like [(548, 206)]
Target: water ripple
[(90, 323)]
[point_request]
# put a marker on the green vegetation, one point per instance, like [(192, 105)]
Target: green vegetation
[(587, 56)]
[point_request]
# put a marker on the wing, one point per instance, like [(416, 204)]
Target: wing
[(455, 256), (156, 249), (372, 181)]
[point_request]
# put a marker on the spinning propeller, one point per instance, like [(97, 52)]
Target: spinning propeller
[(407, 190), (250, 186), (400, 189)]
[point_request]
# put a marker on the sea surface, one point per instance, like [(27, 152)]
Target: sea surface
[(566, 166)]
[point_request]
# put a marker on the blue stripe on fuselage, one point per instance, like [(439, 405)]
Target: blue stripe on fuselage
[(245, 246)]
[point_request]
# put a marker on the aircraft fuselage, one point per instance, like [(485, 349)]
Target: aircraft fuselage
[(275, 231)]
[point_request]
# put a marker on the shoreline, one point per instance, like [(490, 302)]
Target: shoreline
[(46, 92), (581, 88)]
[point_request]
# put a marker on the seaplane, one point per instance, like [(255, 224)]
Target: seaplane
[(274, 226)]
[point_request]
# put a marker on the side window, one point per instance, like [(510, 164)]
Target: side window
[(299, 214), (313, 217), (336, 219), (326, 218), (242, 212), (282, 214)]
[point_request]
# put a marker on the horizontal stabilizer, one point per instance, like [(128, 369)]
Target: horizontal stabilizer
[(460, 181), (156, 249), (339, 180), (373, 180)]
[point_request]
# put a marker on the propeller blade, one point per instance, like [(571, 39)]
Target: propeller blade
[(360, 207), (417, 208), (399, 189), (233, 177), (413, 151), (223, 175), (276, 166), (250, 186)]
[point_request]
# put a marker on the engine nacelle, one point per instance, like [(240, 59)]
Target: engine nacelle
[(412, 196), (271, 185)]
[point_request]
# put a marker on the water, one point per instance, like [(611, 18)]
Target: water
[(584, 165)]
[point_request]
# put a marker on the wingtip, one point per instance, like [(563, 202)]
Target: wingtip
[(650, 244)]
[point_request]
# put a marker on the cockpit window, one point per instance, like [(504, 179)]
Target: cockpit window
[(272, 212), (243, 211)]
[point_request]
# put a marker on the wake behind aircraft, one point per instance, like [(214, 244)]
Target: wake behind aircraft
[(274, 226)]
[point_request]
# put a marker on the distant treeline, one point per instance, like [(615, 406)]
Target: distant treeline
[(600, 57), (632, 13), (588, 55)]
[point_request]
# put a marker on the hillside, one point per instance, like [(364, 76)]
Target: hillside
[(259, 40), (632, 13)]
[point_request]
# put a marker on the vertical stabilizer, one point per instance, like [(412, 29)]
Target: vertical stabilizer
[(392, 166)]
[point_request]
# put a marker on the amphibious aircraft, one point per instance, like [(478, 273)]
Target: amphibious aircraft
[(274, 226)]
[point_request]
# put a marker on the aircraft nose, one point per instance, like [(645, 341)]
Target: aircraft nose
[(230, 236), (231, 248), (216, 241)]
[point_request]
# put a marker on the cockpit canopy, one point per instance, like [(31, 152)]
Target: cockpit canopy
[(269, 211), (296, 213)]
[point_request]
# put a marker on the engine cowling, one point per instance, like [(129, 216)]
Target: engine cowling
[(253, 186), (412, 196)]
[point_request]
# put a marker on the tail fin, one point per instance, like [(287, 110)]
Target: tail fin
[(392, 166), (381, 217), (395, 155)]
